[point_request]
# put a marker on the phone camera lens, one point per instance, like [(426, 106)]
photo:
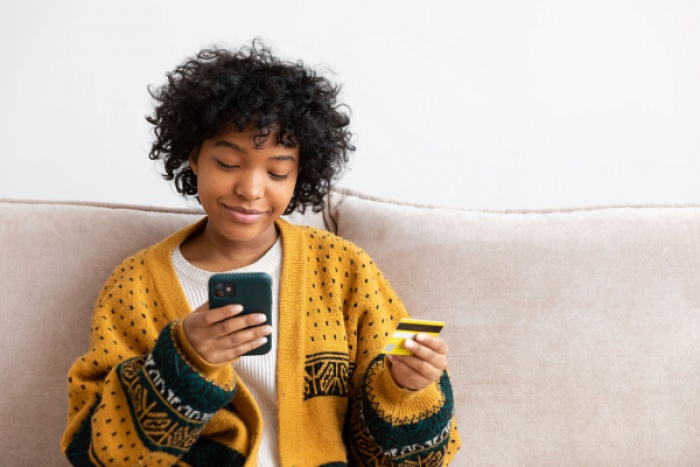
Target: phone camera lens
[(225, 289)]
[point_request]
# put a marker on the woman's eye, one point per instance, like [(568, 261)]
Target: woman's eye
[(278, 176), (225, 166)]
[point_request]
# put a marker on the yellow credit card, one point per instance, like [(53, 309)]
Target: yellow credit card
[(407, 329)]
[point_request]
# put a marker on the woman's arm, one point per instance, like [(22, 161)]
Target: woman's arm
[(388, 424), (141, 393)]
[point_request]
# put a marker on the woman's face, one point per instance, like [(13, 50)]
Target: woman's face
[(243, 188)]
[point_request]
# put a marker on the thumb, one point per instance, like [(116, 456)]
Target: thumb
[(202, 308)]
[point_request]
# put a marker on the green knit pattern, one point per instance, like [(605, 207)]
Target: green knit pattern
[(377, 440), (170, 402)]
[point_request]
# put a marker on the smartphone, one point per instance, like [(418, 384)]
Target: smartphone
[(252, 290)]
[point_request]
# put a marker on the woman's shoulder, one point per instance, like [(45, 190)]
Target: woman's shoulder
[(314, 238), (156, 256), (328, 252)]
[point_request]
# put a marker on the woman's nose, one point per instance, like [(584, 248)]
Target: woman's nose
[(250, 187)]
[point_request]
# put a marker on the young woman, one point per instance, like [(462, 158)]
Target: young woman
[(165, 382)]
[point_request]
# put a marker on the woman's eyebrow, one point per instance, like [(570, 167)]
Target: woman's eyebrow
[(283, 158), (235, 147), (229, 144)]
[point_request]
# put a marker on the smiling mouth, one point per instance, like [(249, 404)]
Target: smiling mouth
[(244, 216), (251, 212)]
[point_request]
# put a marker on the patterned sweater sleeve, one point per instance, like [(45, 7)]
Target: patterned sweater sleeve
[(388, 425), (140, 394)]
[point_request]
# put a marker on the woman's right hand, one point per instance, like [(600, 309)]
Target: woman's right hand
[(220, 335)]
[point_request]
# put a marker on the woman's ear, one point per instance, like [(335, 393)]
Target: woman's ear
[(193, 161)]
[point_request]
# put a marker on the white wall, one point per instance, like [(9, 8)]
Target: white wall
[(497, 104)]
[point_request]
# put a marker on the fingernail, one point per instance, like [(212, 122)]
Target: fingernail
[(236, 309), (263, 341), (260, 318), (420, 337), (408, 343)]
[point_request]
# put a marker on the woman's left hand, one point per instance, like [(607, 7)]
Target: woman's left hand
[(425, 366)]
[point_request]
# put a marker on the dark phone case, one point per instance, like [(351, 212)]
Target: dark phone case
[(253, 291)]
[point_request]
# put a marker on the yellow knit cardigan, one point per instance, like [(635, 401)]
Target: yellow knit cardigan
[(142, 395)]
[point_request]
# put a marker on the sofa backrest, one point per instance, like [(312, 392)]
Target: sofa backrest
[(574, 334)]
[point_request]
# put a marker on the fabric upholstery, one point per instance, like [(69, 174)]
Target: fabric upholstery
[(54, 259), (574, 335)]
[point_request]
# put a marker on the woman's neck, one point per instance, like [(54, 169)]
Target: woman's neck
[(210, 252)]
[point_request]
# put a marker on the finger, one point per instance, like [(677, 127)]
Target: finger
[(243, 337), (426, 354), (237, 351), (237, 323), (435, 343), (219, 349), (420, 366), (213, 316), (429, 366)]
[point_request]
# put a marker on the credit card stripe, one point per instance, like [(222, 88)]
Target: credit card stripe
[(403, 334), (419, 327)]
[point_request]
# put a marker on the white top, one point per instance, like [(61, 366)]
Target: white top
[(257, 372)]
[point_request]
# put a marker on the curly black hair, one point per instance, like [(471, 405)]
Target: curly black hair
[(220, 89)]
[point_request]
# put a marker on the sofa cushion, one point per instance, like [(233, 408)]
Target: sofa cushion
[(573, 334)]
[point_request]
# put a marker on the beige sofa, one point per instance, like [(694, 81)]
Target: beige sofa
[(574, 334)]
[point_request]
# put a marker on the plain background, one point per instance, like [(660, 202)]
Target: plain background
[(505, 104)]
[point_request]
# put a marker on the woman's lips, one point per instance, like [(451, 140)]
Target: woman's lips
[(244, 216)]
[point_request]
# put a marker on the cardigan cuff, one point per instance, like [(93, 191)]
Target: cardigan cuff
[(404, 404)]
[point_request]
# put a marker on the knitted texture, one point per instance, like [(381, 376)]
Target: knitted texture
[(142, 395)]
